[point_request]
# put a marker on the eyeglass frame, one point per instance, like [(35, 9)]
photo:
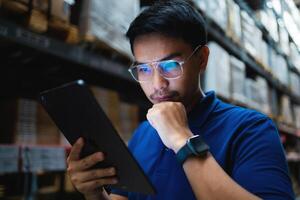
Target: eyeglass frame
[(181, 63)]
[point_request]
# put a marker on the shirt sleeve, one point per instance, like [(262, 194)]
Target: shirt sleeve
[(259, 161)]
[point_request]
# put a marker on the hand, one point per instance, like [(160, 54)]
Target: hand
[(85, 180), (170, 121)]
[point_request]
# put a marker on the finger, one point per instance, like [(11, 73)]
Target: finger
[(94, 175), (92, 185), (87, 162), (75, 150)]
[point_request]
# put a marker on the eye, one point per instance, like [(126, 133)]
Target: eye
[(169, 66), (145, 69)]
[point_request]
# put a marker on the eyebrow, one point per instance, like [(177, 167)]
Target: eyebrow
[(168, 57)]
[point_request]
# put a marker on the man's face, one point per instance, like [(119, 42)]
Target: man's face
[(157, 47)]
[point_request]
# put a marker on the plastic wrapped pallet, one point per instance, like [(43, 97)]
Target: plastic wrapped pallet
[(108, 21), (252, 36), (217, 11), (217, 76), (286, 110), (238, 76), (295, 83), (234, 28)]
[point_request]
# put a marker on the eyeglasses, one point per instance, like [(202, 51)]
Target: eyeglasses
[(169, 69)]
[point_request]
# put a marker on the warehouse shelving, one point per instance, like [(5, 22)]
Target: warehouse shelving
[(54, 62)]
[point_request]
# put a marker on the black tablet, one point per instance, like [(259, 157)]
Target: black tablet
[(76, 112)]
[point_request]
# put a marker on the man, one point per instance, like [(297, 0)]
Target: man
[(245, 158)]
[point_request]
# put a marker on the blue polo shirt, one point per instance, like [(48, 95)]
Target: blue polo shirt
[(245, 143)]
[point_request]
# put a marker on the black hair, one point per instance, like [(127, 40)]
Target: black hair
[(174, 18)]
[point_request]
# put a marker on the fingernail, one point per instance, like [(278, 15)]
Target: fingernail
[(100, 155)]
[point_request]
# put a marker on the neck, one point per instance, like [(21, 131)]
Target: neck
[(198, 95)]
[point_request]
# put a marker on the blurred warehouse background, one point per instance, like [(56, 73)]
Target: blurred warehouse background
[(45, 43)]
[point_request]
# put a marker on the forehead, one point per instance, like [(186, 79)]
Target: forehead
[(153, 47)]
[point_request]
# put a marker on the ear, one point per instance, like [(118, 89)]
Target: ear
[(204, 55)]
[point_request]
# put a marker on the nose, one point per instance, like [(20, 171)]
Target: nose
[(158, 81)]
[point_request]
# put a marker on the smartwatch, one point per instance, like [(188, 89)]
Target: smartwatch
[(195, 146)]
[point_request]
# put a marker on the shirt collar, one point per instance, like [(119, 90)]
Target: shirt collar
[(201, 110)]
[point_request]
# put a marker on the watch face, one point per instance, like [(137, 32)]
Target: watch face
[(198, 144)]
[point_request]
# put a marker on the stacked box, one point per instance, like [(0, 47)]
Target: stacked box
[(295, 83), (108, 21), (286, 110), (238, 76), (280, 69), (128, 120), (110, 102), (263, 95), (39, 159), (9, 159), (217, 76), (297, 115), (201, 4), (264, 52), (47, 132), (269, 20), (251, 89), (26, 130), (284, 39), (295, 55), (217, 11), (234, 28), (272, 58), (251, 35)]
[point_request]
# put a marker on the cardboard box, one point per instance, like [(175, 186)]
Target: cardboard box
[(46, 130), (297, 116), (217, 11), (263, 95), (251, 35), (41, 159), (252, 95), (295, 83), (9, 159), (234, 29), (286, 110), (217, 75), (128, 120), (269, 20), (284, 39), (238, 76), (264, 54), (26, 130), (295, 55), (108, 21), (280, 69)]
